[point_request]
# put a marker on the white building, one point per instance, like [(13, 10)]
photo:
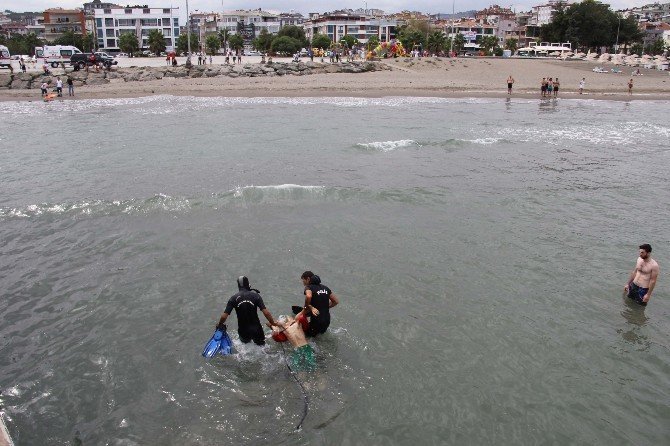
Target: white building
[(241, 21), (544, 14), (111, 23), (338, 24)]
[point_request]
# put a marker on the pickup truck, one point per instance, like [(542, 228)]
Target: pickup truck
[(80, 61)]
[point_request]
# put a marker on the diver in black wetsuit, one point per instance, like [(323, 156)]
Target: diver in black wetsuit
[(319, 299), (246, 302)]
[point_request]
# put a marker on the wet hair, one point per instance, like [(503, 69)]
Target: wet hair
[(307, 275), (646, 247), (243, 283)]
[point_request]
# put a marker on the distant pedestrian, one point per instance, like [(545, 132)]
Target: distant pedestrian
[(22, 64), (630, 86), (199, 59), (550, 86), (556, 85), (210, 59), (70, 86), (44, 88), (510, 82), (582, 84), (59, 87), (543, 87)]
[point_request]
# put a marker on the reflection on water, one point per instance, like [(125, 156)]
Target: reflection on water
[(636, 319)]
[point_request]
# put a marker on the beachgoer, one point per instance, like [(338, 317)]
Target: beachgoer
[(44, 88), (199, 59), (303, 354), (210, 59), (630, 86), (543, 87), (319, 299), (22, 64), (642, 279), (510, 82), (246, 303), (59, 87), (550, 87), (70, 86), (556, 85), (45, 68), (582, 84)]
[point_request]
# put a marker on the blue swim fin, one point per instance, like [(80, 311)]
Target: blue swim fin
[(214, 344), (226, 345)]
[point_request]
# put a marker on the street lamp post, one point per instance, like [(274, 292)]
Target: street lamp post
[(188, 37), (617, 35)]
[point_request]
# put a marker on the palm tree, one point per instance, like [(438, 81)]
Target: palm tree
[(156, 41), (437, 42), (223, 37), (487, 43)]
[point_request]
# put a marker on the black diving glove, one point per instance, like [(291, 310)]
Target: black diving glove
[(221, 327)]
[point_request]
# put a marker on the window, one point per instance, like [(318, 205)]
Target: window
[(109, 33), (98, 23), (106, 11), (100, 32), (166, 32), (166, 22), (146, 11), (101, 42), (109, 23), (166, 11), (175, 22), (111, 43), (176, 32), (128, 11)]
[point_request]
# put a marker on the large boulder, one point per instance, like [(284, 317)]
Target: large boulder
[(332, 68), (212, 71), (96, 80), (20, 84), (5, 80), (177, 72)]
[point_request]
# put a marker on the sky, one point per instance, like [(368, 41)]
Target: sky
[(304, 6)]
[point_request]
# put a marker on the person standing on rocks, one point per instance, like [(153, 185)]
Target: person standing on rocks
[(70, 86)]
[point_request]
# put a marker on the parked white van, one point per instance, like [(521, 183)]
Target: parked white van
[(5, 57), (56, 54)]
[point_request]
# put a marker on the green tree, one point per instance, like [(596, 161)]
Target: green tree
[(636, 48), (512, 44), (349, 40), (182, 43), (236, 42), (296, 33), (373, 42), (156, 41), (628, 30), (437, 42), (459, 42), (656, 48), (213, 43), (128, 43), (410, 37), (87, 43), (488, 44), (286, 45), (321, 41), (264, 41), (70, 38)]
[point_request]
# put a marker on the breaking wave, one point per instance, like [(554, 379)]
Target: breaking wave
[(388, 146)]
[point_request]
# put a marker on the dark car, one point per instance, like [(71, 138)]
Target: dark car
[(81, 60)]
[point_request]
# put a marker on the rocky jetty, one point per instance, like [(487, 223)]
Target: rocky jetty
[(139, 74)]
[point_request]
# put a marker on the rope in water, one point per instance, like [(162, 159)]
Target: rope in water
[(302, 387)]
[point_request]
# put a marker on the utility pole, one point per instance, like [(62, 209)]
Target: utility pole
[(453, 12), (617, 34)]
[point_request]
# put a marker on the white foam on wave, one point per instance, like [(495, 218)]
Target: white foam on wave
[(239, 191), (483, 141), (159, 202), (387, 146)]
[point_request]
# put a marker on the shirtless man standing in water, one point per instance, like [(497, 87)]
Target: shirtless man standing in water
[(642, 279)]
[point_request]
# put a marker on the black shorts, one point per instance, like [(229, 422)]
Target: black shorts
[(317, 327), (249, 334)]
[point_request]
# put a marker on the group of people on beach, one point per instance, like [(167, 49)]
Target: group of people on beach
[(312, 319), (549, 86)]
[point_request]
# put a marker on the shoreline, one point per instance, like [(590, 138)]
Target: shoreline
[(445, 78)]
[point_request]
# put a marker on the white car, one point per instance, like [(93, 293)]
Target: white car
[(121, 55)]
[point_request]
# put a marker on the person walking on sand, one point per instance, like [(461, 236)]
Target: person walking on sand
[(642, 279), (510, 82), (582, 84), (630, 86)]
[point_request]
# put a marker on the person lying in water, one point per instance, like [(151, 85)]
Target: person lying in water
[(293, 330)]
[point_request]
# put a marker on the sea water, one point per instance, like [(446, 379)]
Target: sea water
[(478, 247)]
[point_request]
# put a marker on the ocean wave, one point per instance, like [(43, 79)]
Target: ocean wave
[(287, 194), (387, 146)]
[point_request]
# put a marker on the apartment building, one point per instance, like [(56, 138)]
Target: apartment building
[(111, 23), (59, 20), (338, 24)]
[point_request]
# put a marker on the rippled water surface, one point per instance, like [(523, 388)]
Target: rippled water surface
[(478, 247)]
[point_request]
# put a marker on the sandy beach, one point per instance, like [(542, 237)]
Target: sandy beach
[(439, 77)]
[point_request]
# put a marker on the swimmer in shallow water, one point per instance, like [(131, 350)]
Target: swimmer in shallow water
[(642, 279)]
